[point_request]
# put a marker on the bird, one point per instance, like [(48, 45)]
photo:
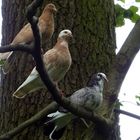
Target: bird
[(89, 98), (25, 35), (57, 62)]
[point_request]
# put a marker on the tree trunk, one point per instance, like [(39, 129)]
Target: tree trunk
[(93, 50)]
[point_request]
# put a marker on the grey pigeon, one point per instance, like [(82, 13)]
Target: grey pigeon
[(89, 98)]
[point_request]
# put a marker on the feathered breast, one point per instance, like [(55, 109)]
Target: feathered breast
[(57, 63)]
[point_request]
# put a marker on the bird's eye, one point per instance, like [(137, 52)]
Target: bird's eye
[(65, 32), (99, 76)]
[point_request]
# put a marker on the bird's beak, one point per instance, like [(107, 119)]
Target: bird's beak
[(55, 10), (71, 36), (106, 78)]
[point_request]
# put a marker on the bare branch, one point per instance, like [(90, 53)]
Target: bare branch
[(32, 9), (122, 64), (127, 113), (19, 47), (128, 51), (43, 113)]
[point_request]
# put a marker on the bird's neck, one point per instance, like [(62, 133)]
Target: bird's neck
[(46, 15), (101, 85), (98, 85), (61, 42)]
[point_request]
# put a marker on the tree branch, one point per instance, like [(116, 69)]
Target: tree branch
[(128, 51), (32, 9), (61, 100), (43, 113), (19, 47), (121, 65), (127, 113)]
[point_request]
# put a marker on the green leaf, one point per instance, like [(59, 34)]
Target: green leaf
[(135, 18), (119, 15), (134, 9), (122, 13), (131, 14), (119, 21), (118, 9), (137, 0)]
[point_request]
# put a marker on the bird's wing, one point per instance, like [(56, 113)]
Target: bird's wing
[(31, 84), (50, 58), (86, 97), (25, 35), (33, 81), (56, 124)]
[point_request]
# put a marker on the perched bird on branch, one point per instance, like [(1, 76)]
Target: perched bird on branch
[(25, 35), (57, 62), (89, 98)]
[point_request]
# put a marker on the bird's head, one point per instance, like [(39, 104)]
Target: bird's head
[(65, 34), (101, 76), (50, 7), (97, 79)]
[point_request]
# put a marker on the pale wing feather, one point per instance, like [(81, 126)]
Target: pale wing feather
[(61, 119), (87, 97), (31, 84), (24, 36)]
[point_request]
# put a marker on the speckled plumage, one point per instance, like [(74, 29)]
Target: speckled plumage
[(89, 98)]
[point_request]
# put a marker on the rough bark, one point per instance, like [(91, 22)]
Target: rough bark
[(93, 50)]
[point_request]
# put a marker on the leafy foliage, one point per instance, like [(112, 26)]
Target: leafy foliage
[(119, 15), (137, 0), (122, 13)]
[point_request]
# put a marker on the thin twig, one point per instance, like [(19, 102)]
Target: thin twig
[(18, 47), (127, 113)]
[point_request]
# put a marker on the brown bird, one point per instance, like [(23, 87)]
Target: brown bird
[(25, 35), (57, 62)]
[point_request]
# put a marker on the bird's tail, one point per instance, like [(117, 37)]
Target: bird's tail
[(56, 125), (4, 56), (9, 58), (31, 84)]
